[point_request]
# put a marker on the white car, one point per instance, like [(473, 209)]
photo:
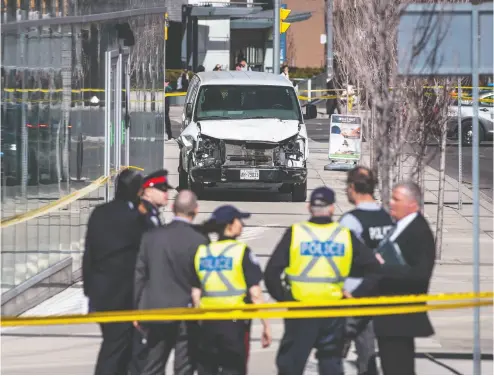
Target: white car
[(245, 130), (485, 116)]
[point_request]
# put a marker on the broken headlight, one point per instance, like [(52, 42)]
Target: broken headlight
[(292, 149), (208, 152)]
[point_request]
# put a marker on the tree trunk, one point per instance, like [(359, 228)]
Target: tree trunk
[(440, 193)]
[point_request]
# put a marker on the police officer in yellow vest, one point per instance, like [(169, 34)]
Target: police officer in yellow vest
[(316, 256), (228, 275)]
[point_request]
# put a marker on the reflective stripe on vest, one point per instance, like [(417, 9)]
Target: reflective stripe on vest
[(317, 269), (220, 271), (231, 290), (304, 276)]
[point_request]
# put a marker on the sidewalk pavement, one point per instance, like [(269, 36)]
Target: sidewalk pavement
[(454, 268), (73, 349)]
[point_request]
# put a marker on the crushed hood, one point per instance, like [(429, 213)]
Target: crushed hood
[(262, 130)]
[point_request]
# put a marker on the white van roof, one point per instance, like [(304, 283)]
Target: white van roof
[(242, 78)]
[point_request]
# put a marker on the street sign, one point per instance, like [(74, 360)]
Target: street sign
[(345, 139), (452, 40), (441, 37)]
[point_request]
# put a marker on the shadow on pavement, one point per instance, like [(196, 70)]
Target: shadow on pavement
[(240, 195)]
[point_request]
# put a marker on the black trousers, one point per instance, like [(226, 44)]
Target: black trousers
[(361, 331), (397, 355), (151, 356), (168, 123), (302, 335), (223, 348), (116, 349)]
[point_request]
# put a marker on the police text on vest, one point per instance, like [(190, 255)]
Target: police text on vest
[(322, 249), (215, 263)]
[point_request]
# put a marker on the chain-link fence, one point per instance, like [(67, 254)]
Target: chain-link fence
[(53, 122)]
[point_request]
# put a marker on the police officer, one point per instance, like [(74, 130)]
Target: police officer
[(370, 223), (113, 236), (154, 195), (228, 274), (317, 256)]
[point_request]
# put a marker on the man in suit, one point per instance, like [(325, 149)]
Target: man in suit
[(164, 277), (113, 236), (412, 234)]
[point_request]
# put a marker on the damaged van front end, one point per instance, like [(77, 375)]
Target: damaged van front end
[(248, 152)]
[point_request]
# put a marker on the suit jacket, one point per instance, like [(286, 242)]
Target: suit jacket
[(418, 249), (165, 271), (113, 236)]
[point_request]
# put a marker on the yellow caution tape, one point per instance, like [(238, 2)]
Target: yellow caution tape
[(61, 202), (94, 90), (262, 311), (305, 98), (78, 91), (321, 90), (65, 200)]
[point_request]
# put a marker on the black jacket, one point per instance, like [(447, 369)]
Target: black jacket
[(165, 273), (364, 264), (417, 246), (113, 236)]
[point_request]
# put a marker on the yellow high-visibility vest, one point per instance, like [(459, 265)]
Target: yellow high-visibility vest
[(320, 261), (219, 268)]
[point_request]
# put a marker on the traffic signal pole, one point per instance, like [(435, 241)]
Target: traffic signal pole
[(329, 38), (276, 37), (279, 27)]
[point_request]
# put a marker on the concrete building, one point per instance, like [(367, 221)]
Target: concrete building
[(304, 48), (225, 32)]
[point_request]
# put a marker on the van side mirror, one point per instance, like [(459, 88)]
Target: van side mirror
[(310, 112)]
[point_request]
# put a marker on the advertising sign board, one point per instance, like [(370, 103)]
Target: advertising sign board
[(345, 138)]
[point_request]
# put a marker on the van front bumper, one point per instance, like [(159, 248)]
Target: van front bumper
[(262, 175)]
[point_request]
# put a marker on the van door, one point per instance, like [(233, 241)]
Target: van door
[(193, 86)]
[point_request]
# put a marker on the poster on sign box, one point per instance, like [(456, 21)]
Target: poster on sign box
[(345, 138)]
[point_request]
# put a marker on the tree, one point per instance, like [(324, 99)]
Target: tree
[(365, 41)]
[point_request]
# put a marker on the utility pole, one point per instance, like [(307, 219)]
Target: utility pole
[(276, 37), (329, 38), (165, 38)]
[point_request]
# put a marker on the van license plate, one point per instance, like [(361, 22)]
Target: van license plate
[(251, 174)]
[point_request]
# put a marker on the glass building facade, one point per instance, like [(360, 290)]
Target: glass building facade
[(53, 119)]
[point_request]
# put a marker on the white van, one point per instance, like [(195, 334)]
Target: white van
[(243, 130)]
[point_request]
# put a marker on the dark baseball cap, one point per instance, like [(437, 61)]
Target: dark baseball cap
[(322, 196), (227, 213), (158, 179)]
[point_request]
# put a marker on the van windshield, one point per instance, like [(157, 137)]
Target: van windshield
[(247, 102)]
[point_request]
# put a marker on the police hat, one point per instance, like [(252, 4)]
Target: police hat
[(158, 179), (226, 214), (322, 196)]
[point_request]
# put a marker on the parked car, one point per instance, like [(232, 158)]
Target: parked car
[(243, 130), (485, 116)]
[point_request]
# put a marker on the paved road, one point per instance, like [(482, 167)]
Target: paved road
[(485, 166), (318, 130), (73, 349)]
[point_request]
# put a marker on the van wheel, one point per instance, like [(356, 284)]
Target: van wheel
[(299, 192), (467, 133)]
